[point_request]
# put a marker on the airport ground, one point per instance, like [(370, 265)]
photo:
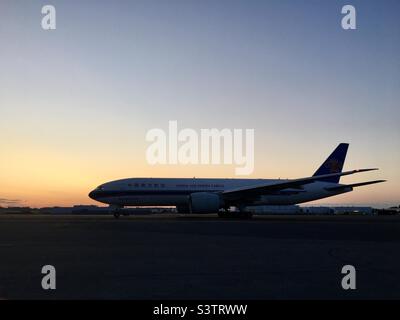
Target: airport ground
[(199, 257)]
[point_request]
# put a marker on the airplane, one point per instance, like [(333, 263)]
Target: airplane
[(194, 195)]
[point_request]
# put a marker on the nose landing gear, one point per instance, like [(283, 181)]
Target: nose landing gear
[(116, 211)]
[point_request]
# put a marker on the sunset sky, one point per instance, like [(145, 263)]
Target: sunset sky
[(76, 102)]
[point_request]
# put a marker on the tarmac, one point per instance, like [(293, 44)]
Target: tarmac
[(199, 257)]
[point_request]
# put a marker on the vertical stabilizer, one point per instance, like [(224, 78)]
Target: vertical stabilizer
[(334, 163)]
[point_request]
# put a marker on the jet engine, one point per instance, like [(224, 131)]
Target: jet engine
[(204, 202)]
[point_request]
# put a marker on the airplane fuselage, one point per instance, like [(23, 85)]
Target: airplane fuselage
[(175, 192)]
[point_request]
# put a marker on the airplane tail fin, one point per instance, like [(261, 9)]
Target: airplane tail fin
[(334, 163)]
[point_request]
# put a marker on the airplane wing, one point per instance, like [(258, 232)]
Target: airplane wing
[(261, 189)]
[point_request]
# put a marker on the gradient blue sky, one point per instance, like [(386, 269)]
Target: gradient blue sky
[(76, 102)]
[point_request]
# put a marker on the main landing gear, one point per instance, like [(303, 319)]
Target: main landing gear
[(242, 214)]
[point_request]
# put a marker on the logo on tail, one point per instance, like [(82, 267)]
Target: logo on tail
[(334, 163), (334, 166)]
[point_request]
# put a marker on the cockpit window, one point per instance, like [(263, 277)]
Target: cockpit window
[(100, 188)]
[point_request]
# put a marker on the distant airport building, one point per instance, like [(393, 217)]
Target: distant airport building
[(96, 210), (318, 210), (322, 210), (278, 210), (16, 210), (78, 209), (353, 210), (388, 211)]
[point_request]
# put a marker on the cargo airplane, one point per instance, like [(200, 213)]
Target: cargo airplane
[(192, 195)]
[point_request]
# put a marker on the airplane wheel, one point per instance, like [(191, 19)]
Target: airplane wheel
[(246, 215), (116, 215)]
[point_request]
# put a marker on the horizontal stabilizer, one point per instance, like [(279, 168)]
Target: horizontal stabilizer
[(354, 185)]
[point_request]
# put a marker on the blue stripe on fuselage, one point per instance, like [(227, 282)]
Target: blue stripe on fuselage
[(121, 193)]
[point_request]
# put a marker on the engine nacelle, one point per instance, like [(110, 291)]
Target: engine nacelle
[(204, 202)]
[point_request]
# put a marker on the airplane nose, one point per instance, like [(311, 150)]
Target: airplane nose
[(93, 194)]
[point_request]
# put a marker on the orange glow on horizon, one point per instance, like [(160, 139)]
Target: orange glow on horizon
[(41, 178)]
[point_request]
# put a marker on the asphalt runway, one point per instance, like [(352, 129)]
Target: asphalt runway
[(177, 257)]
